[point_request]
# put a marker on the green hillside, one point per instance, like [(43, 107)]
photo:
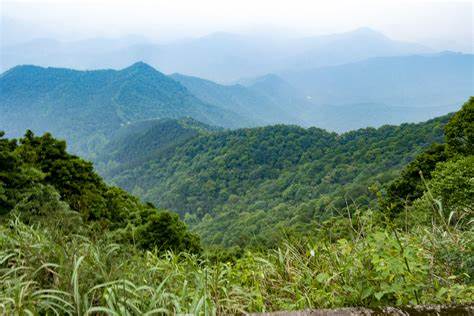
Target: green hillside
[(135, 143), (86, 107), (246, 186), (72, 245), (41, 183)]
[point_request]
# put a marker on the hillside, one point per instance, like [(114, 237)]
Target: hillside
[(85, 107), (235, 186), (73, 245), (135, 143), (253, 101), (444, 79)]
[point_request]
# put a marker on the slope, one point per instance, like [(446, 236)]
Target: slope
[(233, 185), (85, 107), (263, 107), (419, 80)]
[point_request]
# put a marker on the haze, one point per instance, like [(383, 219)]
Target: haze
[(441, 25)]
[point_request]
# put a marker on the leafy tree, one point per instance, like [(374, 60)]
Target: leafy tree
[(245, 186), (447, 164), (40, 180), (165, 231), (453, 185), (460, 131), (410, 185)]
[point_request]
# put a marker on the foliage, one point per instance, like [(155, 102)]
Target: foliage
[(70, 244), (39, 179), (88, 107), (449, 166), (409, 185), (45, 269), (248, 185), (134, 143), (453, 186), (460, 130)]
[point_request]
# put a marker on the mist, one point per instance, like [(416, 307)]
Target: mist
[(441, 25)]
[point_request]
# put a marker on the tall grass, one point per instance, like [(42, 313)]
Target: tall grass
[(44, 270)]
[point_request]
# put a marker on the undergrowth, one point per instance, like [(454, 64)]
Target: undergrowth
[(49, 268)]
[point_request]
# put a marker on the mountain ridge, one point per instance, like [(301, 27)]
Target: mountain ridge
[(78, 104), (212, 57)]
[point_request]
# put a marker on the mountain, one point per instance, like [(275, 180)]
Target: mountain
[(220, 57), (85, 107), (419, 80), (251, 101), (137, 142), (373, 92), (347, 117), (70, 244), (260, 180)]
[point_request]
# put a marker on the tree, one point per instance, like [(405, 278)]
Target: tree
[(409, 185), (42, 182), (453, 185), (460, 131), (165, 231)]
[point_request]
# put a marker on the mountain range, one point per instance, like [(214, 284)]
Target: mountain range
[(220, 57), (87, 107)]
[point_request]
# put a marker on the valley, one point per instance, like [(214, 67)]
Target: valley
[(179, 158)]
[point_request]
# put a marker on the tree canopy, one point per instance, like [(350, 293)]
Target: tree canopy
[(39, 177)]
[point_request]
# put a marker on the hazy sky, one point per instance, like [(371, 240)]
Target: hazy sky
[(440, 24)]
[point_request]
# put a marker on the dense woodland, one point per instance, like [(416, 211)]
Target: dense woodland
[(255, 186), (72, 244)]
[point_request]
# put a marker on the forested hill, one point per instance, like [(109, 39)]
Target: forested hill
[(135, 143), (245, 184), (85, 107)]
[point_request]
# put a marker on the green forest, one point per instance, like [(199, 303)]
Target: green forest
[(255, 186), (211, 221)]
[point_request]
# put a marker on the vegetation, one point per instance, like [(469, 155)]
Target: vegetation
[(449, 163), (254, 186), (70, 244), (138, 142), (370, 263), (88, 107), (39, 180)]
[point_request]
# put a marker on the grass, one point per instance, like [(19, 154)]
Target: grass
[(47, 270)]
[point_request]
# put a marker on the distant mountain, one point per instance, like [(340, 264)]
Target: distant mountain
[(221, 57), (419, 80), (85, 107), (252, 101), (347, 117), (372, 92)]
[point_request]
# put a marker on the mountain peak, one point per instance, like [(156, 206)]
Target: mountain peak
[(140, 65)]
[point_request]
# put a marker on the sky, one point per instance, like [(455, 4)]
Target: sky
[(444, 25)]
